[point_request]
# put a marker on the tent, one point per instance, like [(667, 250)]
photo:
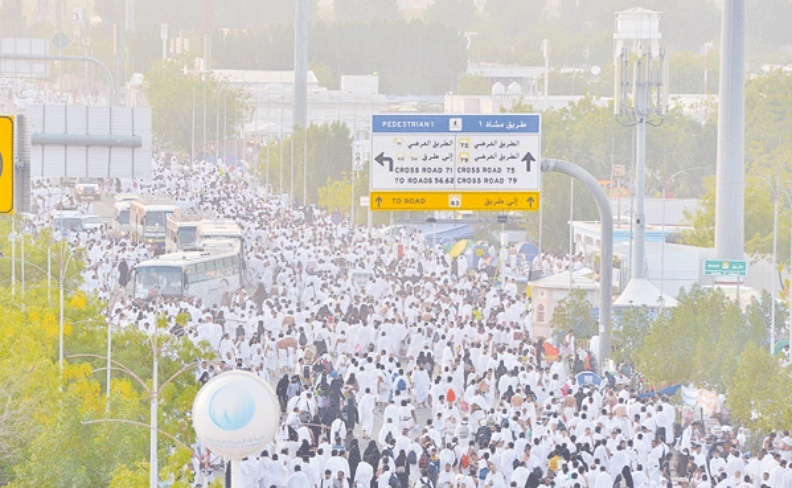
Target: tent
[(460, 247), (587, 378), (527, 250), (640, 293), (445, 232)]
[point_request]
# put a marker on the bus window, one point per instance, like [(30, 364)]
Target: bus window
[(162, 280), (186, 237)]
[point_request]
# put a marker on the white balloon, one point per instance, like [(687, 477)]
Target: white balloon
[(236, 414)]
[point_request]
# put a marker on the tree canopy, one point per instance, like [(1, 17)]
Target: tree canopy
[(45, 414)]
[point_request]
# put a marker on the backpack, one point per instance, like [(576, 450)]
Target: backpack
[(412, 458), (394, 482), (464, 462), (426, 482), (423, 462), (483, 473), (401, 385), (483, 436), (303, 340)]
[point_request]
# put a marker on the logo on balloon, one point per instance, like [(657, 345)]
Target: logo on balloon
[(231, 408)]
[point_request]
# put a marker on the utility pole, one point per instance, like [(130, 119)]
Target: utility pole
[(648, 104), (730, 194), (300, 64)]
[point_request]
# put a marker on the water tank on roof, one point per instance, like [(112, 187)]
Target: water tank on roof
[(498, 89)]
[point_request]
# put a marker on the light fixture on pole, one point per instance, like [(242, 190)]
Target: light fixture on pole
[(642, 72), (773, 268), (504, 242), (789, 291)]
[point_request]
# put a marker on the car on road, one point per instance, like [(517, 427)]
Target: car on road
[(68, 221), (88, 188)]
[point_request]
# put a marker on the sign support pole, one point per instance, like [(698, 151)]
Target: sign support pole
[(606, 246)]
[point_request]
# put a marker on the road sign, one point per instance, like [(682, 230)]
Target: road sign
[(445, 200), (725, 267), (59, 40), (365, 202), (6, 164), (358, 155), (467, 161)]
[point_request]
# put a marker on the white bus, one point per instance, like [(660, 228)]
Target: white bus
[(219, 234), (201, 274), (148, 219), (122, 203), (180, 231)]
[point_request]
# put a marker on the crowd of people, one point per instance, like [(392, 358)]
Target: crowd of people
[(418, 375)]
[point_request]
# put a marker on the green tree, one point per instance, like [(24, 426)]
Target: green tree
[(43, 438), (699, 340), (171, 94), (759, 391), (631, 325), (474, 85), (335, 196), (768, 150), (574, 313), (329, 154)]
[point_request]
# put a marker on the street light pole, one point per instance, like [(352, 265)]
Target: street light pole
[(789, 292), (153, 458), (192, 129), (13, 238), (352, 191), (22, 235), (60, 325), (63, 271), (773, 269)]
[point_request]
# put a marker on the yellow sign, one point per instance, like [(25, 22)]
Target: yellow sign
[(455, 200), (6, 164)]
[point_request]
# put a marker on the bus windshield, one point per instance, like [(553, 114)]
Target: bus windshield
[(186, 237), (158, 280), (123, 217), (156, 219)]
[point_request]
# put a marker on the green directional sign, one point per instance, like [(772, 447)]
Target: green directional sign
[(725, 267)]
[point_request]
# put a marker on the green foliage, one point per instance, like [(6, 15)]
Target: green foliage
[(44, 440), (702, 221), (760, 389), (336, 195), (630, 328), (574, 313), (473, 85), (768, 150), (329, 155), (688, 71), (173, 98), (699, 340), (587, 134)]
